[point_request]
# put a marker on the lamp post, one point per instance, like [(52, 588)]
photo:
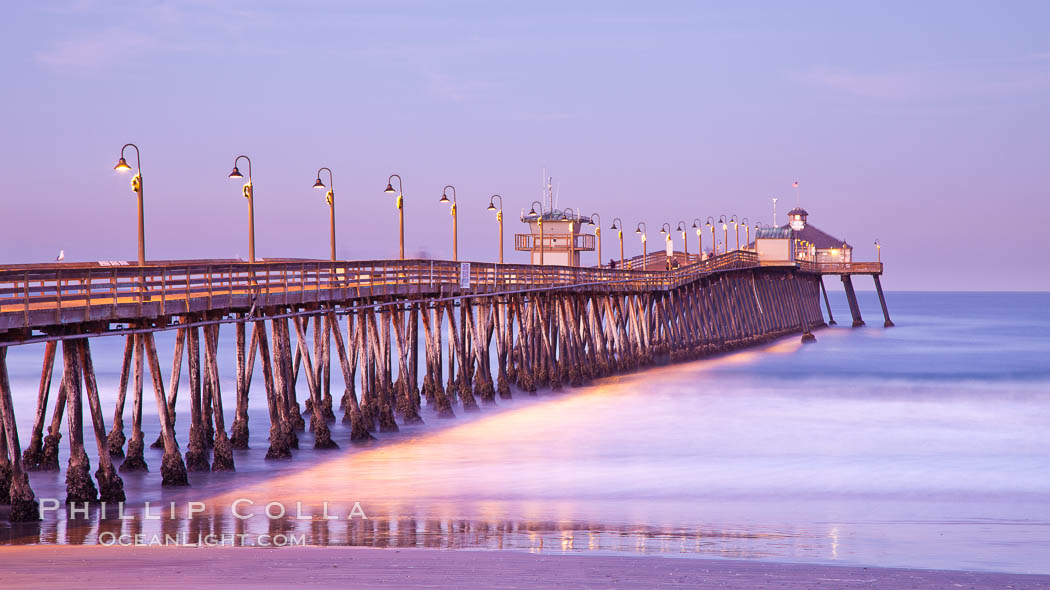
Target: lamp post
[(878, 251), (736, 228), (699, 240), (597, 234), (685, 242), (619, 233), (455, 219), (645, 251), (400, 210), (539, 221), (250, 195), (136, 186), (666, 231), (499, 219), (572, 235), (711, 226), (725, 232), (747, 232), (330, 197)]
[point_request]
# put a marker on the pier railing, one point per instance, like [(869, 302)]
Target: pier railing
[(42, 295), (554, 242), (841, 268)]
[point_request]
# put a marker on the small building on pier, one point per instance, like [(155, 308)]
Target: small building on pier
[(554, 237), (810, 243), (774, 244)]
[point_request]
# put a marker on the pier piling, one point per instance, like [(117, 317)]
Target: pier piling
[(851, 298), (882, 301)]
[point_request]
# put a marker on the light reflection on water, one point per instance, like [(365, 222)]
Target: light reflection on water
[(880, 447)]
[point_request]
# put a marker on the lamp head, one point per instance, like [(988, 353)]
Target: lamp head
[(532, 210), (444, 198), (614, 226), (318, 183), (492, 207), (389, 188), (122, 165), (638, 230), (235, 173)]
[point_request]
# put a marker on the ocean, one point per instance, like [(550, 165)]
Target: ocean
[(925, 445)]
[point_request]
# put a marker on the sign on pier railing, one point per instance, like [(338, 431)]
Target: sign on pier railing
[(464, 275)]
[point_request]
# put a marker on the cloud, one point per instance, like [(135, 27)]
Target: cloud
[(98, 50), (92, 35), (459, 90), (976, 79)]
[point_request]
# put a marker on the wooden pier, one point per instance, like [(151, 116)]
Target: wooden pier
[(410, 339)]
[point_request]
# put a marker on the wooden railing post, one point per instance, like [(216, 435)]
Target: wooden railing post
[(87, 296), (58, 295), (25, 292)]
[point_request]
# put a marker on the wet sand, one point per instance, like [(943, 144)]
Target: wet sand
[(48, 567)]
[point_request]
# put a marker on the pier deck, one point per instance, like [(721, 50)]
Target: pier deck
[(43, 296)]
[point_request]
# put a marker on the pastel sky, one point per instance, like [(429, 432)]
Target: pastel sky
[(922, 124)]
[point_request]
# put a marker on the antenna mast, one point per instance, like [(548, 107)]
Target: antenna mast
[(543, 189), (550, 193)]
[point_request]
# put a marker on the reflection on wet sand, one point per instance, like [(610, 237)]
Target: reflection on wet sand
[(218, 529)]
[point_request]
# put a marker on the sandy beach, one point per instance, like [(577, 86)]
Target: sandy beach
[(311, 567)]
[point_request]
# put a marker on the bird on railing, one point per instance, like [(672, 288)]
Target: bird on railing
[(61, 256)]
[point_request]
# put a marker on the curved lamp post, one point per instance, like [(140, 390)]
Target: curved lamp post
[(711, 226), (666, 230), (136, 186), (330, 197), (619, 233), (645, 251), (736, 228), (597, 234), (250, 195), (572, 233), (499, 219), (539, 221), (747, 232), (697, 225), (878, 251), (455, 219), (685, 242), (725, 232), (400, 210)]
